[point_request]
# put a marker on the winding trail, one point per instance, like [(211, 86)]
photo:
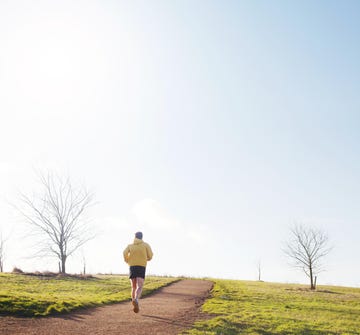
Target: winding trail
[(168, 311)]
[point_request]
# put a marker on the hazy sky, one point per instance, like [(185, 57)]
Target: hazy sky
[(212, 126)]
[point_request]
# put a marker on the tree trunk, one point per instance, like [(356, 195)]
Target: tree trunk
[(312, 287), (63, 261)]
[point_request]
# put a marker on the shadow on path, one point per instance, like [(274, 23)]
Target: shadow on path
[(168, 320)]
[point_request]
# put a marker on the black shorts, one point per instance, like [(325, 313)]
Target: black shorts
[(137, 271)]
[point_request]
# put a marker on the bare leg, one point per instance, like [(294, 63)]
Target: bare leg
[(139, 284), (133, 288), (135, 293)]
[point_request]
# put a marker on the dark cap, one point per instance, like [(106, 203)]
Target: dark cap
[(139, 235)]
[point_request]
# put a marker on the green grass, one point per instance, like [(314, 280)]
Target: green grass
[(36, 296), (240, 307)]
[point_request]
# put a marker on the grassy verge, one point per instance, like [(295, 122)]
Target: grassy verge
[(24, 295), (240, 307)]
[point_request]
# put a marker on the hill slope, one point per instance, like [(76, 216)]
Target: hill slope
[(242, 307)]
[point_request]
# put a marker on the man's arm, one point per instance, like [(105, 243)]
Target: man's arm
[(126, 254), (149, 252)]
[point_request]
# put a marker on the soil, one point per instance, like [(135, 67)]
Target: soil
[(170, 310)]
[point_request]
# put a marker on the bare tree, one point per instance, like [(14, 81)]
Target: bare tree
[(57, 214), (258, 265), (2, 253), (306, 248), (84, 265)]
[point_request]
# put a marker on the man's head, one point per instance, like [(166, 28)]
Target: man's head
[(139, 235)]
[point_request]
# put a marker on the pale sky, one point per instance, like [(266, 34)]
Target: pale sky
[(212, 126)]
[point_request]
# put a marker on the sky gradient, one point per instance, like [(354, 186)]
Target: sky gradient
[(212, 126)]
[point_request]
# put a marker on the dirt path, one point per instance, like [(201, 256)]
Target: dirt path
[(168, 311)]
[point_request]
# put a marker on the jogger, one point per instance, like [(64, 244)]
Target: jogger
[(137, 255)]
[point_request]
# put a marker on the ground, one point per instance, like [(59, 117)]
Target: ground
[(168, 311)]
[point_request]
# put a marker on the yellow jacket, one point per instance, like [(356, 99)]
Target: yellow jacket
[(137, 253)]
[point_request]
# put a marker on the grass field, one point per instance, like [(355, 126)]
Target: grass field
[(235, 307), (240, 307), (39, 296)]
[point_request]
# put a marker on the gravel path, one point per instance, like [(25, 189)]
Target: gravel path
[(168, 311)]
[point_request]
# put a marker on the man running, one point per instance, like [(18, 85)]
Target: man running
[(137, 255)]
